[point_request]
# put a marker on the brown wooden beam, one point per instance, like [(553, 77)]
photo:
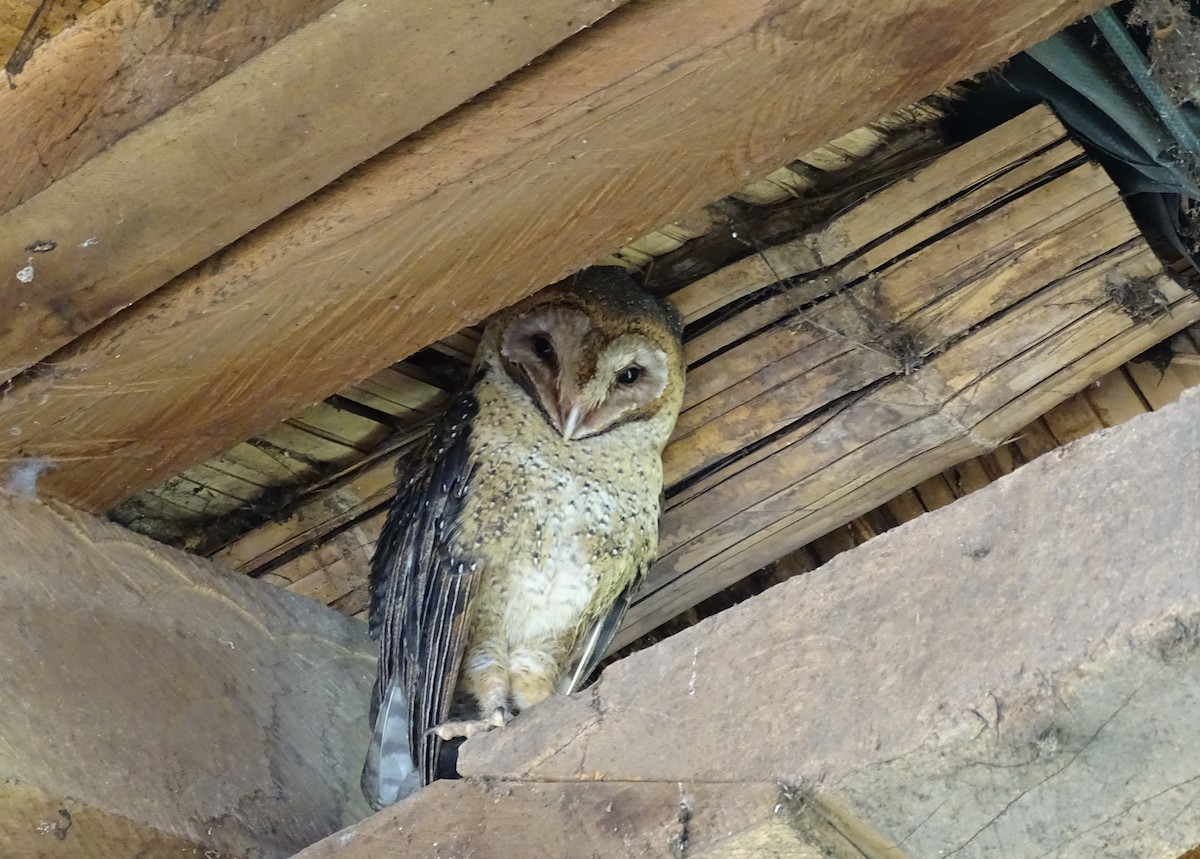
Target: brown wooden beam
[(114, 202), (565, 821), (156, 706), (1015, 674), (661, 108), (115, 70), (25, 25)]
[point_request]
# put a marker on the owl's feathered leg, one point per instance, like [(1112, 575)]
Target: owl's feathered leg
[(534, 670), (485, 677), (469, 728), (389, 774)]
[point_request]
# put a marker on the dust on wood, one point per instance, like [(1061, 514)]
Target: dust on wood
[(204, 175), (1174, 45), (48, 18), (1139, 297)]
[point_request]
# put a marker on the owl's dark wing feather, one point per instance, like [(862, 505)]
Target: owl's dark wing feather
[(420, 610), (592, 645)]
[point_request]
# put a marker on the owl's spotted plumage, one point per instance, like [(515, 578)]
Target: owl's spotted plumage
[(511, 553)]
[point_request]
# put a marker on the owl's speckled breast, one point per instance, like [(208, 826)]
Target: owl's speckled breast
[(560, 527)]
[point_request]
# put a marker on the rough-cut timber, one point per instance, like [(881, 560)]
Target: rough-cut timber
[(661, 108), (1017, 674), (253, 143), (568, 821), (26, 24), (157, 706), (918, 330), (115, 70), (921, 328)]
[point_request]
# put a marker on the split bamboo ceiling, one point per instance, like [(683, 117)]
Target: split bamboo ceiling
[(247, 265)]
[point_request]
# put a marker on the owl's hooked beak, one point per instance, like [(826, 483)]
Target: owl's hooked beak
[(572, 415)]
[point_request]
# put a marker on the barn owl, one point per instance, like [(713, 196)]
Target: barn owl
[(513, 549)]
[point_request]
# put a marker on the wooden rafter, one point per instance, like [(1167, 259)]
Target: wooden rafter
[(69, 98), (118, 222), (920, 328), (643, 118), (25, 25)]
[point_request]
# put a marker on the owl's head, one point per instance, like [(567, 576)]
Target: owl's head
[(593, 353)]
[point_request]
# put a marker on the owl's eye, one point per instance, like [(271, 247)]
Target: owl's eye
[(543, 348), (629, 375)]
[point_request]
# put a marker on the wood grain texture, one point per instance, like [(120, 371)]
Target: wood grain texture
[(938, 354), (27, 24), (117, 69), (661, 108), (897, 678), (249, 142), (566, 821), (838, 465), (160, 700)]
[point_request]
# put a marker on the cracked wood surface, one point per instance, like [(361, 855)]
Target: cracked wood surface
[(27, 24), (661, 108), (601, 819), (118, 68), (1014, 674), (150, 136), (167, 706), (913, 331)]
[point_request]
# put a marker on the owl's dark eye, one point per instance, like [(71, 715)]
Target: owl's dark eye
[(629, 375), (543, 348)]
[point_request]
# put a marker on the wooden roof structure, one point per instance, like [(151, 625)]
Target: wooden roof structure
[(245, 258)]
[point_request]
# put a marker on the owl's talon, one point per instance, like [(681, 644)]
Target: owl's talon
[(470, 727)]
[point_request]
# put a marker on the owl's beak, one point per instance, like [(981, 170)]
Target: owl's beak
[(570, 420)]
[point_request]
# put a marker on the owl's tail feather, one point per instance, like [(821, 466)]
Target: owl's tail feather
[(389, 774)]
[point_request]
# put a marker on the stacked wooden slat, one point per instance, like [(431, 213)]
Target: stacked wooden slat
[(1128, 391), (210, 505), (916, 331)]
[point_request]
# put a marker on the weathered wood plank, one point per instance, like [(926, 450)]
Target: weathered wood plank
[(248, 143), (565, 821), (167, 707), (474, 209), (117, 69), (26, 24), (894, 665), (969, 397), (909, 310), (957, 186), (923, 425), (324, 509)]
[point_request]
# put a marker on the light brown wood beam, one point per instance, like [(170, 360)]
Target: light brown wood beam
[(664, 106), (563, 821), (1013, 675), (114, 202), (26, 24), (156, 706), (115, 70)]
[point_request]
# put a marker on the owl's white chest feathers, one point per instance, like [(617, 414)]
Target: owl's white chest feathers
[(559, 527)]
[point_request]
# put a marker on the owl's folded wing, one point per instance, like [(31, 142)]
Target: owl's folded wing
[(420, 610)]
